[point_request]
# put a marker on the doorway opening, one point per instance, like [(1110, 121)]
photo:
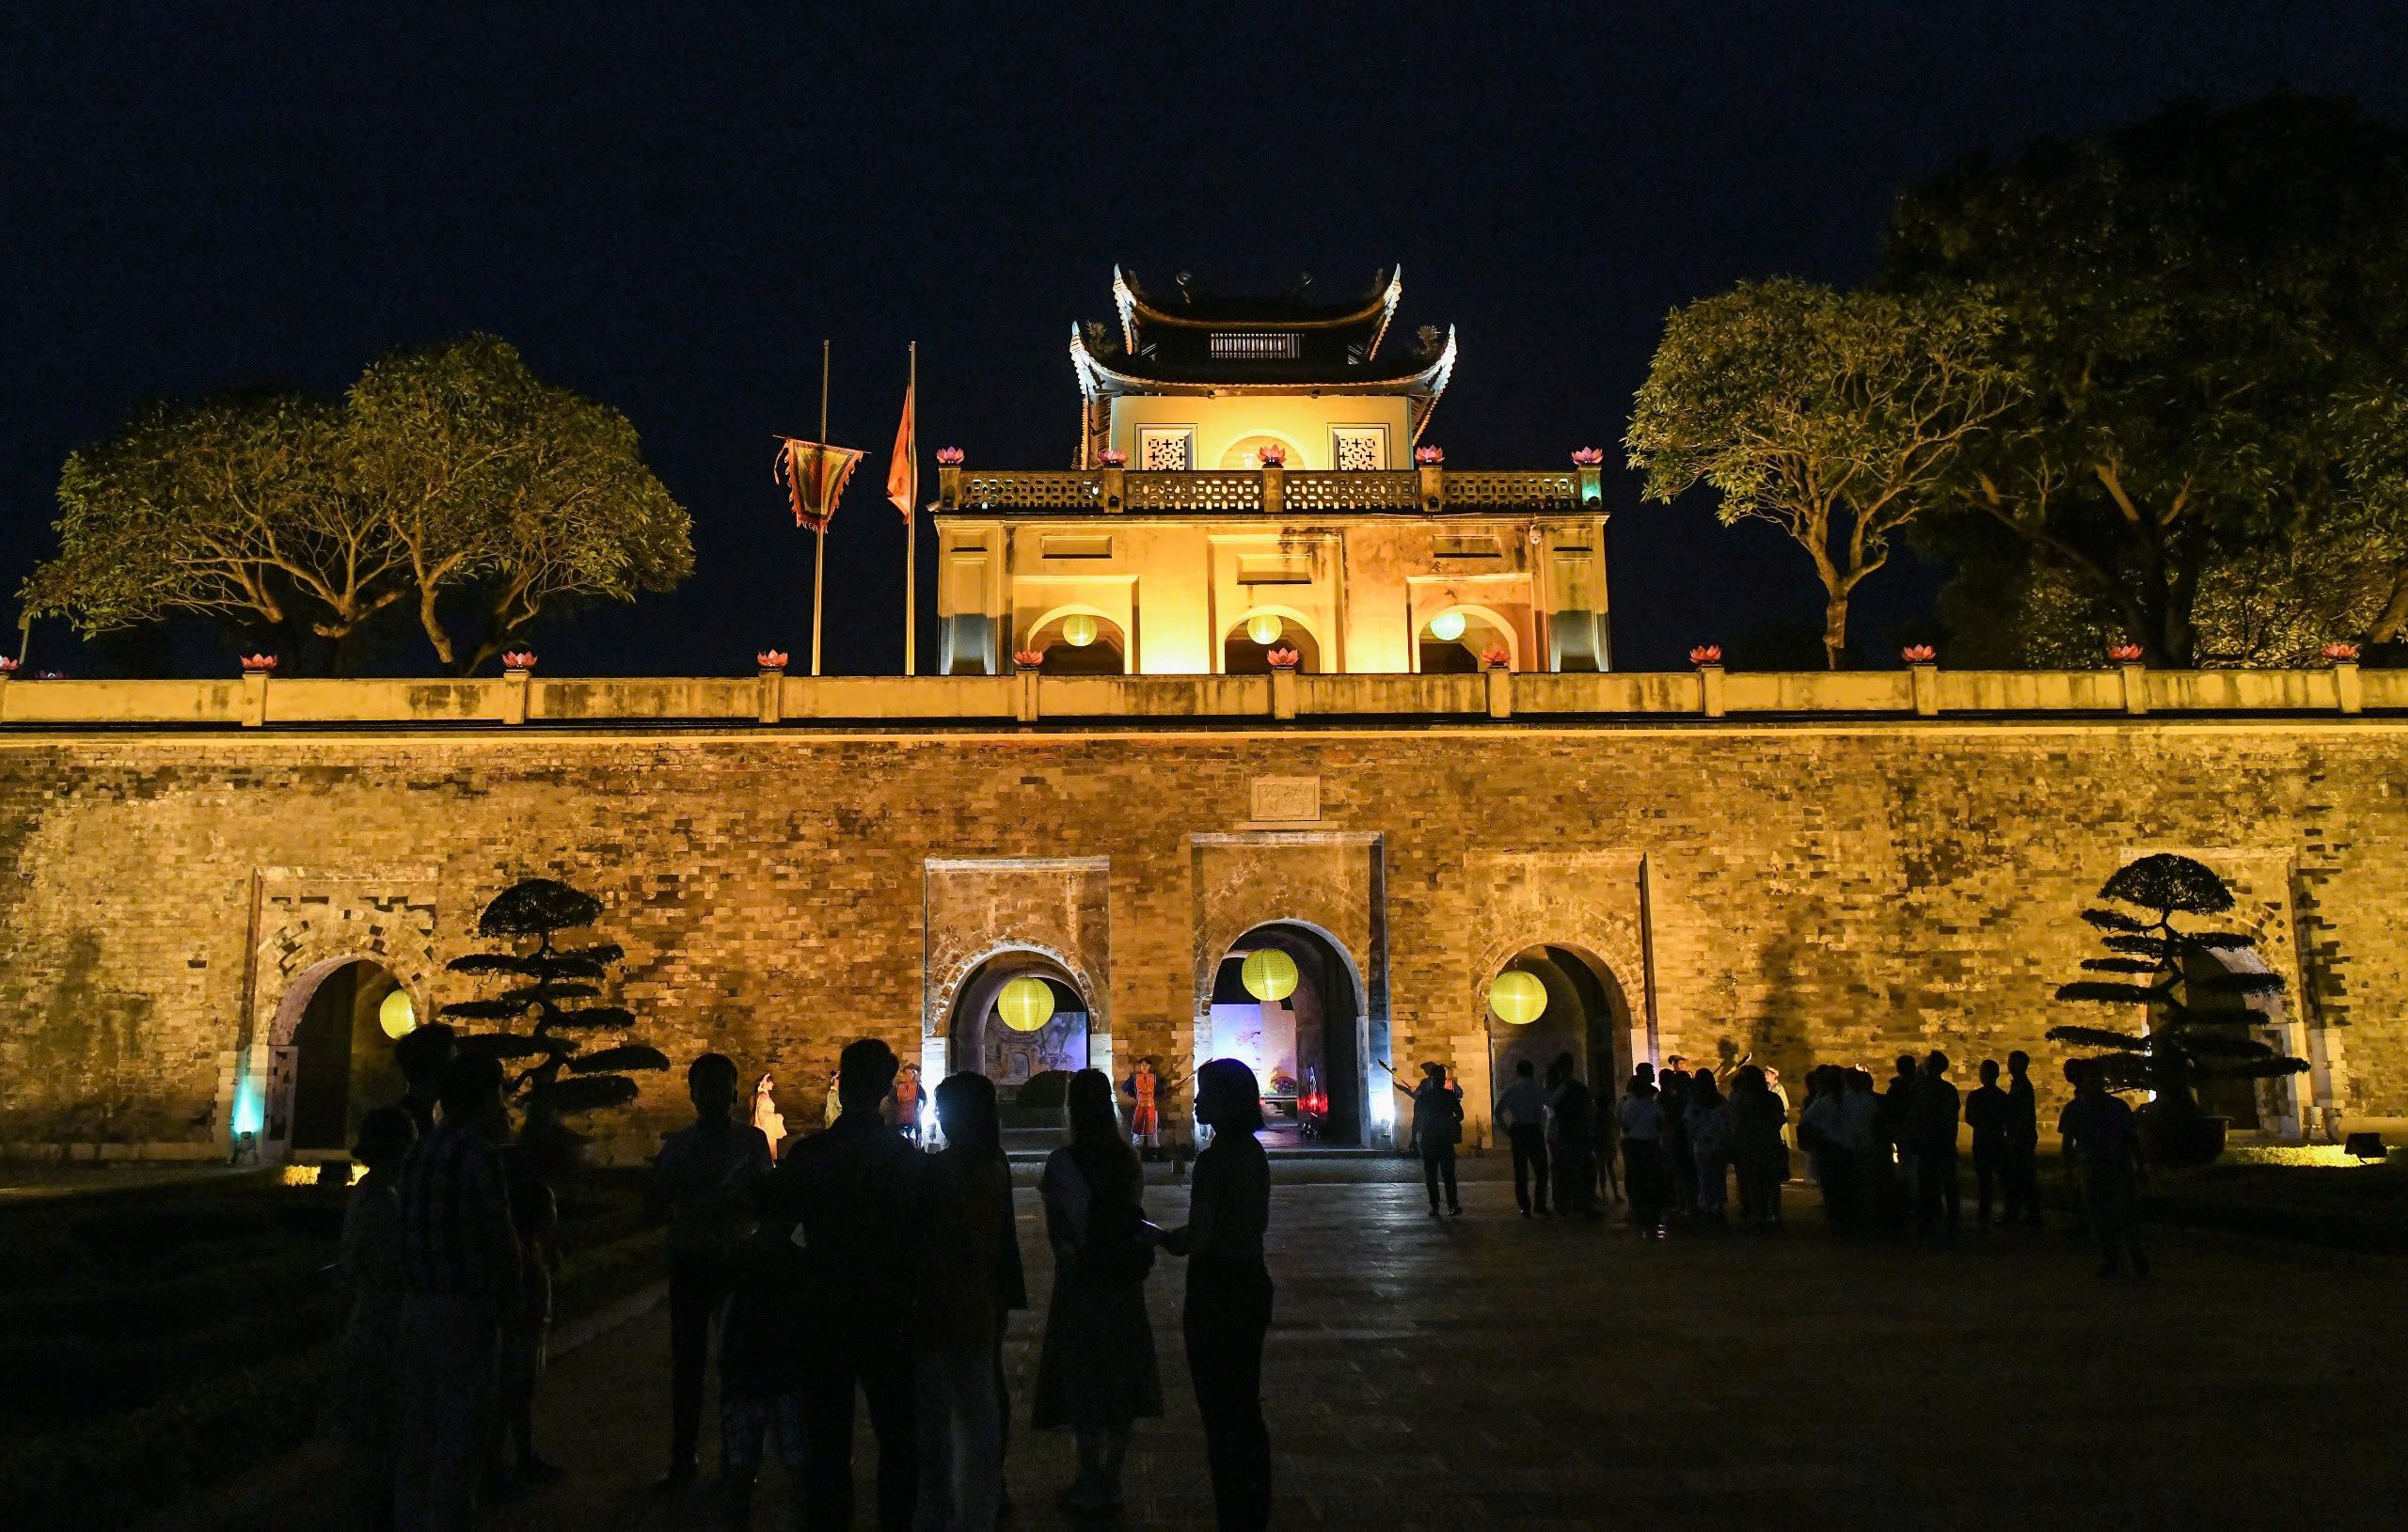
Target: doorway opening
[(1308, 1046), (1586, 1014), (332, 1057), (1031, 1067)]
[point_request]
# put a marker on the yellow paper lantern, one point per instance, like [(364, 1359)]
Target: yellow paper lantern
[(1269, 974), (1025, 1004), (1446, 627), (1078, 631), (1517, 997), (397, 1016), (1265, 628)]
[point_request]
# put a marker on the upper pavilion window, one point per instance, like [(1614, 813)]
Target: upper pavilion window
[(1255, 345)]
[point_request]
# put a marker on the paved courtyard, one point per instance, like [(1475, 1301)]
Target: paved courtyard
[(1492, 1372)]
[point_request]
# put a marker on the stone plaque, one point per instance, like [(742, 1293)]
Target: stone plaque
[(1287, 799)]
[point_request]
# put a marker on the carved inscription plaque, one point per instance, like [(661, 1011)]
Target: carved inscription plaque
[(1287, 799)]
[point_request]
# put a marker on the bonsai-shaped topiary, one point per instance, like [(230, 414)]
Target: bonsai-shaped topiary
[(559, 1075), (2185, 1042)]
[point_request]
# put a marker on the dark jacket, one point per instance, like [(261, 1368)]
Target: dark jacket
[(856, 1193)]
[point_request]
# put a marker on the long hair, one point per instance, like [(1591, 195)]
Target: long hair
[(966, 1107), (1231, 1080), (1094, 1119)]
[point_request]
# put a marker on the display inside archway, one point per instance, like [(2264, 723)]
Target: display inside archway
[(1027, 1003), (554, 1070), (1517, 997), (1269, 974), (397, 1015)]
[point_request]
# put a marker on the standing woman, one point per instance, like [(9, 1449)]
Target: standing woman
[(1096, 1373), (1229, 1293), (765, 1115)]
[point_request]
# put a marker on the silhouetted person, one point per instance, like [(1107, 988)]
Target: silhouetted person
[(367, 1383), (2020, 1173), (963, 1294), (1680, 1166), (1640, 1116), (1840, 1141), (527, 1332), (1438, 1128), (420, 1055), (1933, 1115), (2102, 1138), (1572, 1111), (700, 1180), (1879, 1187), (1522, 1108), (1096, 1374), (1759, 1154), (1986, 1114), (855, 1192), (1707, 1117), (460, 1271), (1229, 1293), (762, 1341)]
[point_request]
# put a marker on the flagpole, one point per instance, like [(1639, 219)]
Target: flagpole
[(911, 532), (819, 553)]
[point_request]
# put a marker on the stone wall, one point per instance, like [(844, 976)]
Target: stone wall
[(1834, 891)]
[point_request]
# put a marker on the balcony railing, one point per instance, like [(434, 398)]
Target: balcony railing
[(1227, 491)]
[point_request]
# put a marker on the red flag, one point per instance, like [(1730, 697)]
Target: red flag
[(814, 474), (903, 473)]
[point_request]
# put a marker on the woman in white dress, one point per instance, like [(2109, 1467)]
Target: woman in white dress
[(765, 1113)]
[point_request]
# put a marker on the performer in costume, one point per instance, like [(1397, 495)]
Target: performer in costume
[(765, 1115), (1144, 1121)]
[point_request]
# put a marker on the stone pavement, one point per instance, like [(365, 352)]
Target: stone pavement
[(1492, 1372)]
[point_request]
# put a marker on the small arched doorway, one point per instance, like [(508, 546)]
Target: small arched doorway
[(1245, 652), (1309, 1050), (1031, 1069), (1587, 1015), (1456, 639), (1080, 642), (332, 1057)]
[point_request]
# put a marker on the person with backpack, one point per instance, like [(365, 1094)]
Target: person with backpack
[(1096, 1372), (1438, 1128), (1229, 1293)]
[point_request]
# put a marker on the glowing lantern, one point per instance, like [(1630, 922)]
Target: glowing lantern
[(1517, 997), (397, 1016), (1264, 628), (1078, 631), (1446, 627), (1269, 974), (1025, 1004)]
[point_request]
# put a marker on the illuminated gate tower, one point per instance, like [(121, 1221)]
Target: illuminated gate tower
[(1247, 480)]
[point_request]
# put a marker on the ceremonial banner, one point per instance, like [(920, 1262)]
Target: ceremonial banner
[(903, 473), (814, 474)]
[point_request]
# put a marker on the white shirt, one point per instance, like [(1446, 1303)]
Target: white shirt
[(1642, 1117)]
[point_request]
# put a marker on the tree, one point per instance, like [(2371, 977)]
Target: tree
[(2176, 974), (227, 507), (2183, 299), (505, 494), (558, 1075), (1837, 416)]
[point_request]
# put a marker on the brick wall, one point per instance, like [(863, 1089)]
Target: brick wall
[(1834, 891)]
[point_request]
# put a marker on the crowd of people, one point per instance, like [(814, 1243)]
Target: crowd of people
[(855, 1272)]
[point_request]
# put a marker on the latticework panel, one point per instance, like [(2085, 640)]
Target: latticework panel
[(1351, 491), (1237, 490), (1546, 491), (1067, 491)]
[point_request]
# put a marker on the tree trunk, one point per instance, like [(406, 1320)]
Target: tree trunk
[(1835, 630), (2387, 627)]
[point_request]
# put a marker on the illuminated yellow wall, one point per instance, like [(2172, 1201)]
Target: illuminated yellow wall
[(1301, 421)]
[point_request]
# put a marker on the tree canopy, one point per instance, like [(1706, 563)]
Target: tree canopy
[(1835, 417), (2206, 311), (449, 479)]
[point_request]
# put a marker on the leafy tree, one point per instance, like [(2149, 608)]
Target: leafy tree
[(558, 1075), (2177, 974), (1837, 416), (2183, 300), (227, 507), (504, 494)]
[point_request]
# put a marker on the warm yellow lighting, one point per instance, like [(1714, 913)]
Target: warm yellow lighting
[(1517, 997), (1446, 627), (1265, 628), (1078, 631), (1269, 974), (1025, 1004), (397, 1016)]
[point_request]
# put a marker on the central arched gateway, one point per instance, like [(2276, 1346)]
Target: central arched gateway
[(1587, 1015), (330, 1056), (1030, 1069), (1310, 1048)]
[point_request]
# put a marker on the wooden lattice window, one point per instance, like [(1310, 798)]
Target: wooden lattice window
[(1166, 450), (1360, 449)]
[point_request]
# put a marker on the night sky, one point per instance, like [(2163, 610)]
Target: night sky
[(668, 207)]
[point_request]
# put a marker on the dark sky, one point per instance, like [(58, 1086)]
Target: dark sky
[(668, 207)]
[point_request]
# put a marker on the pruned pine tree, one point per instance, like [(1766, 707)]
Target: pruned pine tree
[(554, 1069), (2178, 975)]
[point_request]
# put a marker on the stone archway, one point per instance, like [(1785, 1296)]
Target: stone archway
[(330, 1056), (1587, 1015), (1316, 1042)]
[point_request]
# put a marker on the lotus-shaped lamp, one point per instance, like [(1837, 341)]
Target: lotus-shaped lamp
[(518, 659), (7, 666), (1497, 658), (2124, 654), (948, 457), (1273, 455), (258, 664), (1112, 457), (1028, 660), (1429, 457), (2340, 653), (1587, 457), (1919, 654), (1706, 654), (1283, 658), (772, 659)]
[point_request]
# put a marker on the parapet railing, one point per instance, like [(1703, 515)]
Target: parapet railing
[(520, 697), (1272, 490)]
